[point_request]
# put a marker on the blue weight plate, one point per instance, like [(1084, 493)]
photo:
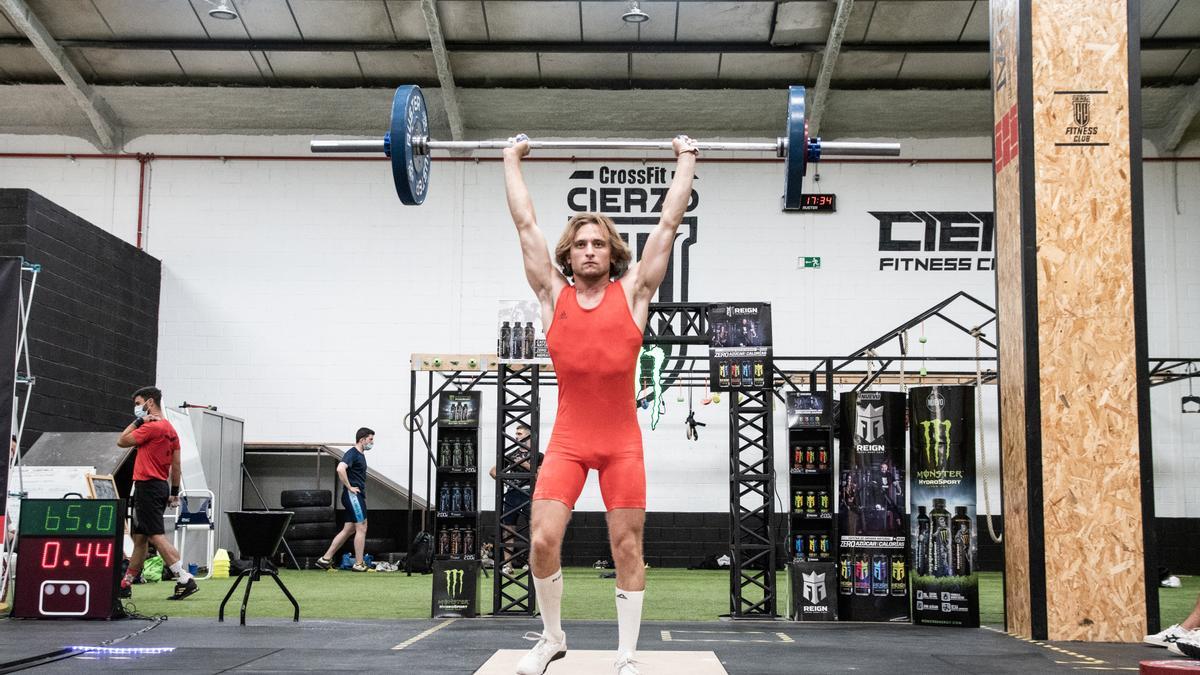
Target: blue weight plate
[(797, 135), (410, 118)]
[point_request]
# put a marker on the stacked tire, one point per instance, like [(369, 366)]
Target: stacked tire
[(312, 528)]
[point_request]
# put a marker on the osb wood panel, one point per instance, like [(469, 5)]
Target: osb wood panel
[(1011, 317), (1094, 564)]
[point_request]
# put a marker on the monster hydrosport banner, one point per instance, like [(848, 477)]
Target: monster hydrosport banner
[(739, 357), (945, 585), (455, 588), (872, 527)]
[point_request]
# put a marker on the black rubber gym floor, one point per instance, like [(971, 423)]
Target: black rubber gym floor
[(463, 645)]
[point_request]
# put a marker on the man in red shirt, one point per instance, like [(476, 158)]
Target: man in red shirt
[(157, 463)]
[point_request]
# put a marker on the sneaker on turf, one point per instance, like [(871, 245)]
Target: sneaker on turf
[(323, 563), (184, 590), (1166, 637), (625, 665), (1188, 645), (359, 567), (536, 660), (507, 569)]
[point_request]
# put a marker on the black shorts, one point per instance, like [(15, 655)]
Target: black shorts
[(354, 507), (516, 504), (149, 502)]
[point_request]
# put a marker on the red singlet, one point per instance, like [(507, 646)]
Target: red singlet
[(594, 352)]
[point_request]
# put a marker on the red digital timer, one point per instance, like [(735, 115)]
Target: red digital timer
[(68, 558), (819, 202)]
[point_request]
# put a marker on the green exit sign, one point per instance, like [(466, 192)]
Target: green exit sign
[(808, 262)]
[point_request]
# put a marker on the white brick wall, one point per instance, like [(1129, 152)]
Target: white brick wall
[(294, 292)]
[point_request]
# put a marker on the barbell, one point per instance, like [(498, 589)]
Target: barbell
[(408, 145)]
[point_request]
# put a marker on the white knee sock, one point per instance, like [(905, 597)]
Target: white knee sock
[(181, 575), (629, 620), (549, 599)]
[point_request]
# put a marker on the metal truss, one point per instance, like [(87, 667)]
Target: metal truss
[(517, 403), (751, 506)]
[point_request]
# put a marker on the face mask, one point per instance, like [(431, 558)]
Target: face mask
[(139, 411), (368, 446)]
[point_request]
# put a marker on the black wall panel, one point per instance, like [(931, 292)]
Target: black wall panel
[(93, 330)]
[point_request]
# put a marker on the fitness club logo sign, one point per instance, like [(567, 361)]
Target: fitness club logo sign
[(633, 197), (936, 241)]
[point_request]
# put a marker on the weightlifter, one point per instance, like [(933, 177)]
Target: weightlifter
[(594, 305)]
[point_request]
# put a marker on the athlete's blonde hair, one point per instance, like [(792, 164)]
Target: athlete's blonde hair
[(619, 254)]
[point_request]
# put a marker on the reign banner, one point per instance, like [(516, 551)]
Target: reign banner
[(945, 583), (814, 597), (739, 346), (872, 526)]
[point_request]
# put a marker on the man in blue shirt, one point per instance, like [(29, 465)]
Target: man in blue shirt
[(352, 472)]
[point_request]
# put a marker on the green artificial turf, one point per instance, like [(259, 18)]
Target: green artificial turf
[(673, 594)]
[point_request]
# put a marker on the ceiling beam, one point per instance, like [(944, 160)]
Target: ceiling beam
[(833, 46), (576, 47), (1185, 114), (441, 59), (109, 136)]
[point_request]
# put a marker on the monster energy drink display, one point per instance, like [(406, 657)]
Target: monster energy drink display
[(458, 409), (814, 595), (945, 586), (872, 522), (520, 337), (739, 346), (455, 588)]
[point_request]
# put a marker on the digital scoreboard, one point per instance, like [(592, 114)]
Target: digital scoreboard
[(69, 554)]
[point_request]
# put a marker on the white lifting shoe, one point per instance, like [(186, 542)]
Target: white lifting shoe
[(625, 665), (546, 650)]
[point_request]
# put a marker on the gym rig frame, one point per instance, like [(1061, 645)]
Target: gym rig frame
[(754, 549)]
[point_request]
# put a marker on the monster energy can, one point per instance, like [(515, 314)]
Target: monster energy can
[(455, 542)]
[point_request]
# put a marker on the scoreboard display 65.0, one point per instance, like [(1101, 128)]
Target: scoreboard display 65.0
[(69, 556)]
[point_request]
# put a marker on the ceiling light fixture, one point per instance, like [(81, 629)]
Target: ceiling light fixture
[(635, 14), (222, 9)]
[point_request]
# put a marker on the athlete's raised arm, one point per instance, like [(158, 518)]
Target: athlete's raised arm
[(648, 273), (544, 279)]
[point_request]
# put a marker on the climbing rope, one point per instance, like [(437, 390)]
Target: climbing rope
[(987, 504)]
